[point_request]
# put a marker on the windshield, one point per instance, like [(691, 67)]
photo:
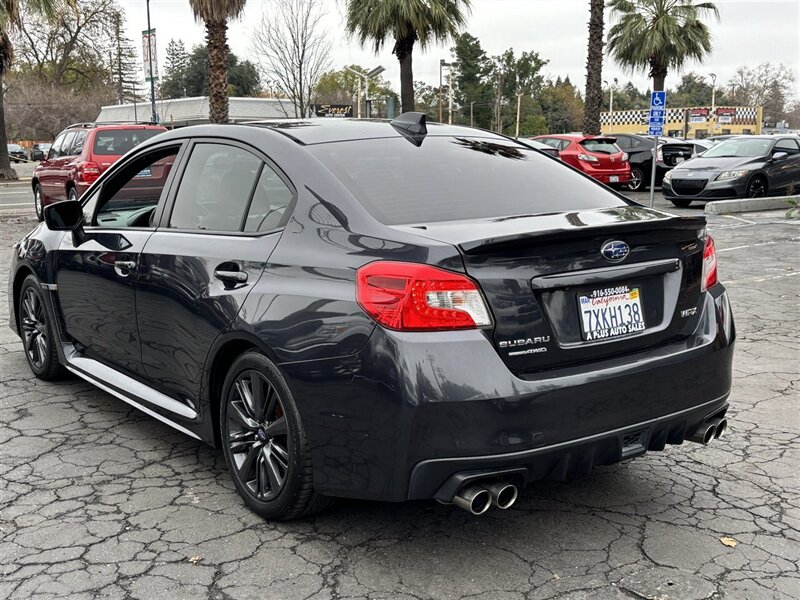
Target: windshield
[(457, 178), (739, 147), (114, 142)]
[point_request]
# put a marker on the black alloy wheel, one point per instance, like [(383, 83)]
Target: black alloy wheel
[(264, 443), (757, 187), (37, 335), (637, 179), (38, 202)]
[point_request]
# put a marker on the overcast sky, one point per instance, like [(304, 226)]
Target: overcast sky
[(749, 32)]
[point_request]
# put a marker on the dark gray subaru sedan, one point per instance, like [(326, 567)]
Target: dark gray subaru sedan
[(383, 310)]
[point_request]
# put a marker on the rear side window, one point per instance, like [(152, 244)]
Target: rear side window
[(215, 188), (77, 143), (602, 146), (114, 142), (456, 178), (270, 201)]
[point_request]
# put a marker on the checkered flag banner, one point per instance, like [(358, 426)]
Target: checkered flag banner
[(745, 115)]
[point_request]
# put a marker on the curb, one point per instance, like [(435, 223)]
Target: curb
[(722, 207)]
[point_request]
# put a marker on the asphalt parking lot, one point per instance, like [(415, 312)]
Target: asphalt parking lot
[(98, 500)]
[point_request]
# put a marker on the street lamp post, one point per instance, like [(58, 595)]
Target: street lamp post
[(443, 63), (713, 100), (373, 73), (150, 67), (519, 102), (471, 119)]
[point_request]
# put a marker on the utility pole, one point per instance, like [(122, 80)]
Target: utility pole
[(441, 100), (471, 119), (358, 98), (450, 96), (519, 102), (150, 66)]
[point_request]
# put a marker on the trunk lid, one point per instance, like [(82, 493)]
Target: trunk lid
[(534, 270), (674, 153)]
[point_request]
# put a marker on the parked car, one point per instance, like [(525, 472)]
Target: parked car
[(700, 146), (79, 155), (740, 167), (597, 156), (380, 310), (38, 151), (542, 147), (16, 153), (670, 152)]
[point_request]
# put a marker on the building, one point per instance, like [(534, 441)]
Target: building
[(693, 123), (180, 112)]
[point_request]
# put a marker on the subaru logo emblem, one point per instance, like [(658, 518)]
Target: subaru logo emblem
[(615, 251)]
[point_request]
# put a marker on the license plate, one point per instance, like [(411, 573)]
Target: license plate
[(144, 173), (613, 179), (679, 160), (610, 312)]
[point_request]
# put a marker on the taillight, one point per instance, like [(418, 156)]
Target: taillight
[(625, 157), (416, 297), (89, 171), (660, 155), (709, 264), (587, 157)]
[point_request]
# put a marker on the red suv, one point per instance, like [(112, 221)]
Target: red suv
[(80, 153), (597, 156)]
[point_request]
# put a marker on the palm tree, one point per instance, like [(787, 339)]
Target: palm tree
[(594, 69), (659, 34), (215, 14), (10, 19), (407, 21)]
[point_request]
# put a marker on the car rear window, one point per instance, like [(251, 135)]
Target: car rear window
[(114, 142), (602, 146), (456, 178)]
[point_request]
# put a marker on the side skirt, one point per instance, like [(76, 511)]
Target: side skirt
[(127, 389)]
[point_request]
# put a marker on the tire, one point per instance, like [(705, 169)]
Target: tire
[(38, 337), (38, 202), (72, 194), (637, 180), (680, 203), (264, 442), (757, 187)]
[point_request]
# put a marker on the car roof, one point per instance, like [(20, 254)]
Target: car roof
[(114, 126), (324, 130)]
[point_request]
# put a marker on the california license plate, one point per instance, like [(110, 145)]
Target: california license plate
[(613, 179), (610, 312)]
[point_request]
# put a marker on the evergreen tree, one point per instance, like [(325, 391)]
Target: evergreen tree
[(173, 84), (124, 70), (473, 87)]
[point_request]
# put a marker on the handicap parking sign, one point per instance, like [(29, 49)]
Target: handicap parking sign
[(658, 100)]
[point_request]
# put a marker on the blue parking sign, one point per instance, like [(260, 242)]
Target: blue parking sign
[(658, 100), (655, 130)]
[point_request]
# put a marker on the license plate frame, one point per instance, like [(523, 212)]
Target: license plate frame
[(610, 312), (613, 179)]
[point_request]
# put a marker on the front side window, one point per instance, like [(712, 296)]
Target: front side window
[(129, 199), (54, 149), (788, 146), (66, 145), (215, 188)]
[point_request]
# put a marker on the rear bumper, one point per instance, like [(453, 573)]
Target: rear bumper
[(610, 177), (411, 410)]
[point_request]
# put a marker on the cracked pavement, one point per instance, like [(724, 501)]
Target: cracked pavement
[(98, 500)]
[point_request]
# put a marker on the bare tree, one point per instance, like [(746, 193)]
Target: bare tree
[(292, 48)]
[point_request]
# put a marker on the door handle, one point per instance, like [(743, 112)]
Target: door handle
[(123, 268), (231, 276)]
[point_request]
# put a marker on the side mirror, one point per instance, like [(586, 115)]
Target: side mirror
[(779, 155), (66, 216)]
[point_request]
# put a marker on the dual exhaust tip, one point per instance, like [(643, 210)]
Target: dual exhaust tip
[(477, 498), (710, 430)]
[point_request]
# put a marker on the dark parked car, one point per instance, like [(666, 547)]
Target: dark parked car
[(740, 167), (38, 151), (380, 310), (79, 155), (16, 153), (640, 155)]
